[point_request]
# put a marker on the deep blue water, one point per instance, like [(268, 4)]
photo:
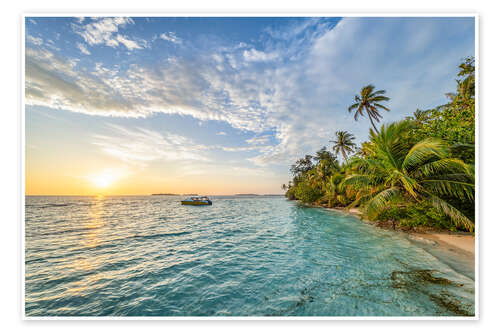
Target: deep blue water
[(264, 256)]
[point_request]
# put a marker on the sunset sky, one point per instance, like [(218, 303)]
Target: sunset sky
[(215, 105)]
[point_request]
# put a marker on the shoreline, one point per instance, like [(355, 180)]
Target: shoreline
[(456, 249)]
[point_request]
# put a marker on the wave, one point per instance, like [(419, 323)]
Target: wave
[(55, 205)]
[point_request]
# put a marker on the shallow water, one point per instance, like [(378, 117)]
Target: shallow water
[(264, 256)]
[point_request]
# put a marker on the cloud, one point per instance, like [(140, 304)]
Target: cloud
[(54, 82), (259, 140), (105, 31), (139, 146), (302, 99), (83, 48), (255, 55), (171, 37), (35, 40), (238, 149), (221, 133), (129, 44)]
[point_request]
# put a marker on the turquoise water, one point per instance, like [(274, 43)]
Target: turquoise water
[(264, 256)]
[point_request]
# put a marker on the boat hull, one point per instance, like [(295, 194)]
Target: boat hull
[(197, 203)]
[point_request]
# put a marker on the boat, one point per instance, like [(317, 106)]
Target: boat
[(197, 201)]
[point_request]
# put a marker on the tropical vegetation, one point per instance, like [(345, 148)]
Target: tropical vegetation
[(369, 101), (417, 172)]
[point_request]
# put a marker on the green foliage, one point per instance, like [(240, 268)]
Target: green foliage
[(307, 193), (399, 171), (419, 171), (344, 143), (423, 214), (454, 122), (369, 101), (418, 215)]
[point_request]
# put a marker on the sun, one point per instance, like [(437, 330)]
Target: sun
[(103, 179)]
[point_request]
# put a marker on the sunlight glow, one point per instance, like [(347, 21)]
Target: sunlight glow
[(104, 179)]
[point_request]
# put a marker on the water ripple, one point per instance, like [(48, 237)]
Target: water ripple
[(150, 256)]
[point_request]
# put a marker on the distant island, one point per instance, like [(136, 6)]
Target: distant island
[(171, 194), (236, 195), (257, 195)]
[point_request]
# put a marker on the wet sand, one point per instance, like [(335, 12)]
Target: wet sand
[(457, 250), (462, 241)]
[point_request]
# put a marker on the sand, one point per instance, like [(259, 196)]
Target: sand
[(457, 250), (462, 241)]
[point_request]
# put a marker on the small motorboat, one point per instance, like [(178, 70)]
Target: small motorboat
[(197, 201)]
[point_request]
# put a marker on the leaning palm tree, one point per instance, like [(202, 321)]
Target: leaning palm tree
[(400, 173), (369, 101), (343, 143)]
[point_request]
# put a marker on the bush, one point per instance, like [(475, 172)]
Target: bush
[(419, 214), (306, 193)]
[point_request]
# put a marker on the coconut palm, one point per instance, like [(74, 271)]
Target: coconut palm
[(365, 150), (401, 173), (369, 101), (335, 190), (420, 116), (343, 143)]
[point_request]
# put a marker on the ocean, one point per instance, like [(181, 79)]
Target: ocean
[(242, 256)]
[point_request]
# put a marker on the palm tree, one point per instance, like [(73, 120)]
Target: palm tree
[(420, 116), (400, 173), (369, 101), (335, 190), (343, 143), (365, 150)]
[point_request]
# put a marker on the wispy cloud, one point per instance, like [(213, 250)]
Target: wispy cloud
[(297, 87), (105, 31), (255, 55), (140, 145), (138, 148), (259, 140), (35, 40), (129, 44), (171, 37), (83, 48)]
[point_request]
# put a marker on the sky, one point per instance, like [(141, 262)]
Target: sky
[(141, 105)]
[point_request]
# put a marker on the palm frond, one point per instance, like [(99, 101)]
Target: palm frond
[(379, 92), (456, 216), (352, 107), (444, 166), (381, 106), (381, 201), (423, 151), (357, 180), (456, 189), (380, 98)]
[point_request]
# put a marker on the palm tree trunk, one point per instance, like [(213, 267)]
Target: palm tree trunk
[(371, 120), (344, 155)]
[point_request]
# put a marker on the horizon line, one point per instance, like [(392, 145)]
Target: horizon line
[(147, 194)]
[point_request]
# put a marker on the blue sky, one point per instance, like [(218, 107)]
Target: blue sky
[(173, 102)]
